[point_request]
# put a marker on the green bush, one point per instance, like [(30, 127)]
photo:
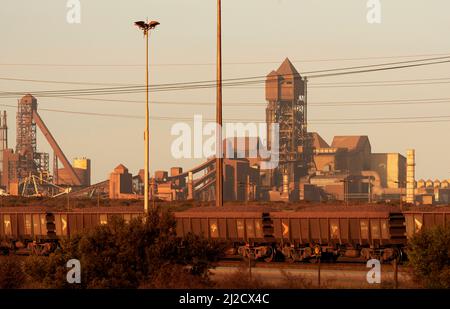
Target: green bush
[(429, 256)]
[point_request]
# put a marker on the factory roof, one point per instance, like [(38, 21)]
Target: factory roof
[(352, 143), (318, 141), (273, 73), (287, 68), (121, 169)]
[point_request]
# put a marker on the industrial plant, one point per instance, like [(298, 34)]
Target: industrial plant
[(309, 169)]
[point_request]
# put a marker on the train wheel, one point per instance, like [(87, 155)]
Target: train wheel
[(334, 258), (242, 251), (5, 251), (397, 256), (292, 258), (270, 256)]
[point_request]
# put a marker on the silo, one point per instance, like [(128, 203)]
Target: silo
[(410, 175)]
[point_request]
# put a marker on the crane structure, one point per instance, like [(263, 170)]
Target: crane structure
[(26, 171)]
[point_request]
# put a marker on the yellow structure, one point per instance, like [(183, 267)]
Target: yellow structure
[(84, 164), (391, 167)]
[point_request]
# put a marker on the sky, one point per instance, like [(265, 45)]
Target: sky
[(257, 36)]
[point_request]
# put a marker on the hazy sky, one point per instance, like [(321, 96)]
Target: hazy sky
[(264, 31)]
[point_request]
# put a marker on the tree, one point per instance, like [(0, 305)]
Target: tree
[(429, 256)]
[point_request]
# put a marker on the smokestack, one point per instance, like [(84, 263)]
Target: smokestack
[(410, 175)]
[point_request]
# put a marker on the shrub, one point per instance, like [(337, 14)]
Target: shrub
[(11, 273), (120, 255), (429, 256)]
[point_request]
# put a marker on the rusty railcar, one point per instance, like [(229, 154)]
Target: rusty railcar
[(304, 233), (356, 232), (248, 230), (38, 228), (419, 220)]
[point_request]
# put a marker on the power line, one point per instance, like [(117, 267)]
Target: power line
[(213, 63), (262, 104), (315, 85), (369, 83), (424, 101), (233, 81), (62, 82), (410, 119), (379, 69)]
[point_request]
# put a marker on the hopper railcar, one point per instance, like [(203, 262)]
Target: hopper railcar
[(418, 220), (37, 230), (302, 234)]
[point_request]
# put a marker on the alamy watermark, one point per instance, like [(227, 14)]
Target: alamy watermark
[(200, 142), (374, 13), (374, 274), (73, 15), (74, 274)]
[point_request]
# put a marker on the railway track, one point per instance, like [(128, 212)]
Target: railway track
[(341, 265)]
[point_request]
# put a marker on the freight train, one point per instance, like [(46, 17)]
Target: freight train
[(304, 234), (260, 232)]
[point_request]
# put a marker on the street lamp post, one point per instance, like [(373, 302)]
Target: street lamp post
[(146, 27)]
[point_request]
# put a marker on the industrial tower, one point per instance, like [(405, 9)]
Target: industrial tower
[(30, 161), (287, 106), (24, 170)]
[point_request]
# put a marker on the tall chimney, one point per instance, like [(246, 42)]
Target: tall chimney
[(410, 176)]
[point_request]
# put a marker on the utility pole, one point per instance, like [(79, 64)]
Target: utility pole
[(146, 27), (219, 146)]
